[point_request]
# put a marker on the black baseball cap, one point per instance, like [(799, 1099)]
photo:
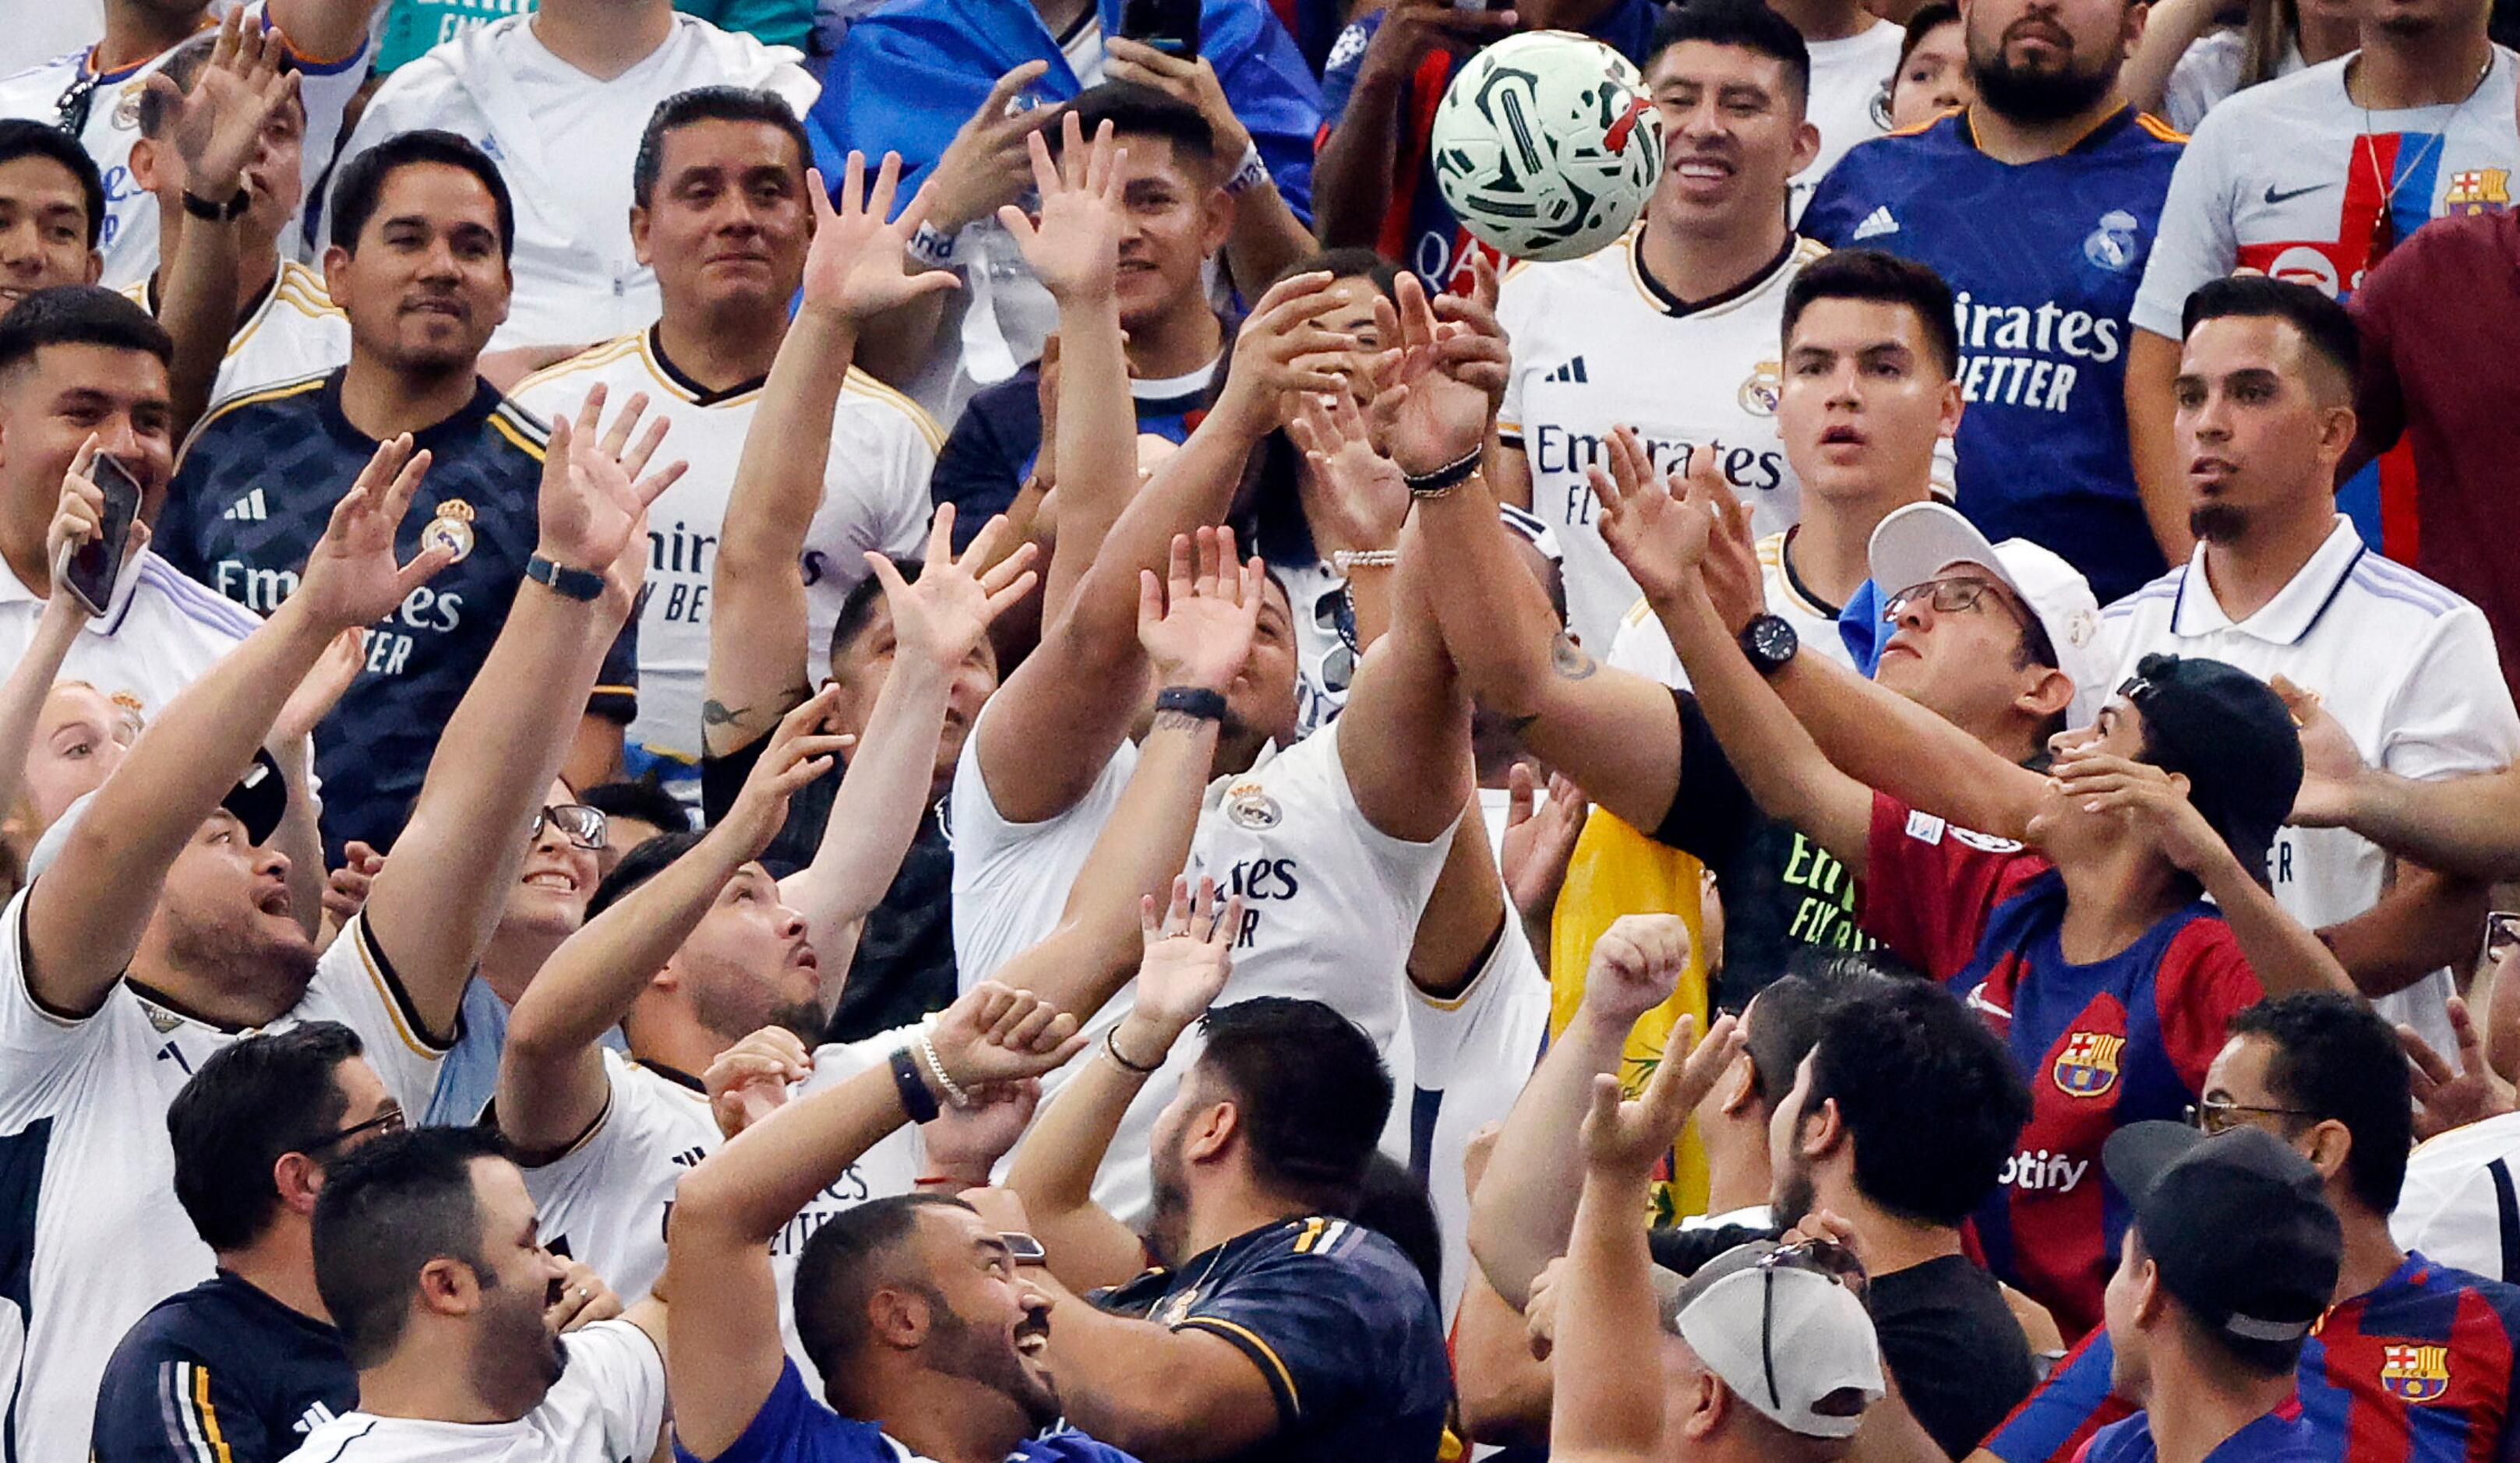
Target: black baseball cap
[(258, 800), (2237, 1225), (2231, 736)]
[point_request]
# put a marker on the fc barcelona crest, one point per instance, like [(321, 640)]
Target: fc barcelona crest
[(2414, 1373), (2087, 1067)]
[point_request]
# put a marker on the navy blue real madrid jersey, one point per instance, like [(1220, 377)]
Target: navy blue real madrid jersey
[(256, 487), (1336, 1320), (220, 1371), (2044, 258)]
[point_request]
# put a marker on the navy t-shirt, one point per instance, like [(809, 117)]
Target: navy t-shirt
[(255, 488), (222, 1361), (992, 448), (794, 1427), (1336, 1320)]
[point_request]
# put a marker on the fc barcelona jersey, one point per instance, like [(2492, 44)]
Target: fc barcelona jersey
[(2123, 1039)]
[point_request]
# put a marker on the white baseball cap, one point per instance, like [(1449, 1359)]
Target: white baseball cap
[(1918, 542), (1794, 1344)]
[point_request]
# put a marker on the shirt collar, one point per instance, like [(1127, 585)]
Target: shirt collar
[(1217, 785), (15, 590), (2296, 608)]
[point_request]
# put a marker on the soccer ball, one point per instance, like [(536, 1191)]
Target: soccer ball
[(1545, 145)]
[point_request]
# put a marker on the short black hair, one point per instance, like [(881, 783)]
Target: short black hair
[(643, 799), (857, 606), (2325, 325), (1883, 279), (2336, 1058), (1311, 1089), (1923, 22), (1137, 111), (1931, 1100), (386, 1211), (1745, 25), (711, 104), (1351, 263), (362, 189), (182, 66), (21, 137), (80, 315), (1393, 1202), (268, 1096), (637, 867), (1786, 1022), (841, 1265)]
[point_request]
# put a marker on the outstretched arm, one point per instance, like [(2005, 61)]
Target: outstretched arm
[(855, 270), (85, 917), (432, 910), (551, 1071), (725, 1302), (2463, 826)]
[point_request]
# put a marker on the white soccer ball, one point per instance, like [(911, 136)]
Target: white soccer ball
[(1545, 145)]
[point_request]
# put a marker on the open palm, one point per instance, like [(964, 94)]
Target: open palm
[(353, 577), (1074, 246), (856, 267), (593, 504), (1659, 537), (947, 610)]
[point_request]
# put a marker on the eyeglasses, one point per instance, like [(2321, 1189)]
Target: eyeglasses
[(383, 1122), (1962, 594), (583, 826), (71, 108), (1823, 1258), (2221, 1115)]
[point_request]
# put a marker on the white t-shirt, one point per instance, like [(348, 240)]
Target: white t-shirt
[(295, 333), (2452, 1206), (608, 1407), (1643, 648), (2288, 177), (92, 1234), (158, 632), (2405, 665), (1597, 345), (2208, 74), (129, 237), (564, 143), (1849, 81), (874, 496), (1330, 905)]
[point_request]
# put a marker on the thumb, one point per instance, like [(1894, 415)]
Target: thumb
[(424, 567), (1517, 795)]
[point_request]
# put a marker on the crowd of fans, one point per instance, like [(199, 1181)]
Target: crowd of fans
[(935, 730)]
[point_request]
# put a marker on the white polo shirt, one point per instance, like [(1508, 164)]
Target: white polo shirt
[(158, 632), (608, 1406), (2405, 665), (564, 143)]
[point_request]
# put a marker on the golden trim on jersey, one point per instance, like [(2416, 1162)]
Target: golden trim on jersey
[(1286, 1378), (857, 382), (1772, 571), (1804, 251), (371, 963)]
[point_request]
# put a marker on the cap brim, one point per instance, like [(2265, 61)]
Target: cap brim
[(1918, 542), (2136, 1156)]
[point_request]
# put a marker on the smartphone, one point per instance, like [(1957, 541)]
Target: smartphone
[(1169, 26), (89, 571), (2501, 932)]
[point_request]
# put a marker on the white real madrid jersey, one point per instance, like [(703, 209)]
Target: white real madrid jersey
[(1596, 344), (874, 496), (1330, 905), (91, 1235), (1850, 99), (1642, 646), (2405, 665), (159, 632), (295, 331), (128, 239), (608, 1406), (606, 1201)]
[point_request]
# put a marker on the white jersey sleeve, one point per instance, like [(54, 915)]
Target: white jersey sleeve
[(356, 986), (609, 1402), (2452, 715), (1516, 299), (41, 1051), (1474, 1050), (2197, 243), (607, 1198), (1010, 879)]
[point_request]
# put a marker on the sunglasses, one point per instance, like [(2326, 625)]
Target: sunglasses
[(1820, 1257), (383, 1122), (583, 826)]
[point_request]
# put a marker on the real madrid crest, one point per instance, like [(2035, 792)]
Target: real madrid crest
[(1247, 805), (451, 530), (126, 108), (1174, 1307), (1759, 393), (2112, 245)]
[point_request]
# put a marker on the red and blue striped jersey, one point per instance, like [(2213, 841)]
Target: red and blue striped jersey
[(2117, 1041), (2281, 1436), (2417, 1369)]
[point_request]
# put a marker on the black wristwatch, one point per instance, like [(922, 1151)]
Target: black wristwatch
[(218, 213), (1770, 643)]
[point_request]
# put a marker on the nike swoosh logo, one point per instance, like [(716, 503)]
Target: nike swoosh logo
[(2273, 197)]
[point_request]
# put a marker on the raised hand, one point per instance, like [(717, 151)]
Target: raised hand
[(1735, 583), (2332, 766), (985, 166), (965, 1143), (951, 605), (799, 751), (1657, 536), (2447, 1096), (345, 889), (1189, 953), (996, 1035), (353, 577), (1539, 843), (1283, 347), (76, 521), (1368, 498), (217, 130), (594, 501), (1196, 623), (1189, 79), (1074, 246), (1636, 967), (856, 268), (1627, 1140), (1448, 373), (748, 1081)]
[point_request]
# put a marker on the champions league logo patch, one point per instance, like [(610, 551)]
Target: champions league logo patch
[(1248, 806), (1760, 392), (2111, 245), (2087, 1067), (2414, 1373), (451, 530)]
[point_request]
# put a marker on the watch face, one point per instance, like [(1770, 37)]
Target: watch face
[(1774, 640)]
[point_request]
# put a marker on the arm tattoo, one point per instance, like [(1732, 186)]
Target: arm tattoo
[(1569, 661)]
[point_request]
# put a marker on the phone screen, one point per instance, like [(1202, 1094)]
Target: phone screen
[(1169, 26), (96, 564)]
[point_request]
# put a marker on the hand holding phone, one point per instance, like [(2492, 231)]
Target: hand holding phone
[(1169, 26), (91, 529)]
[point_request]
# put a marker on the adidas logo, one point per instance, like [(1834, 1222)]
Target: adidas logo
[(250, 509), (314, 1417), (689, 1158), (1571, 373), (1877, 223)]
